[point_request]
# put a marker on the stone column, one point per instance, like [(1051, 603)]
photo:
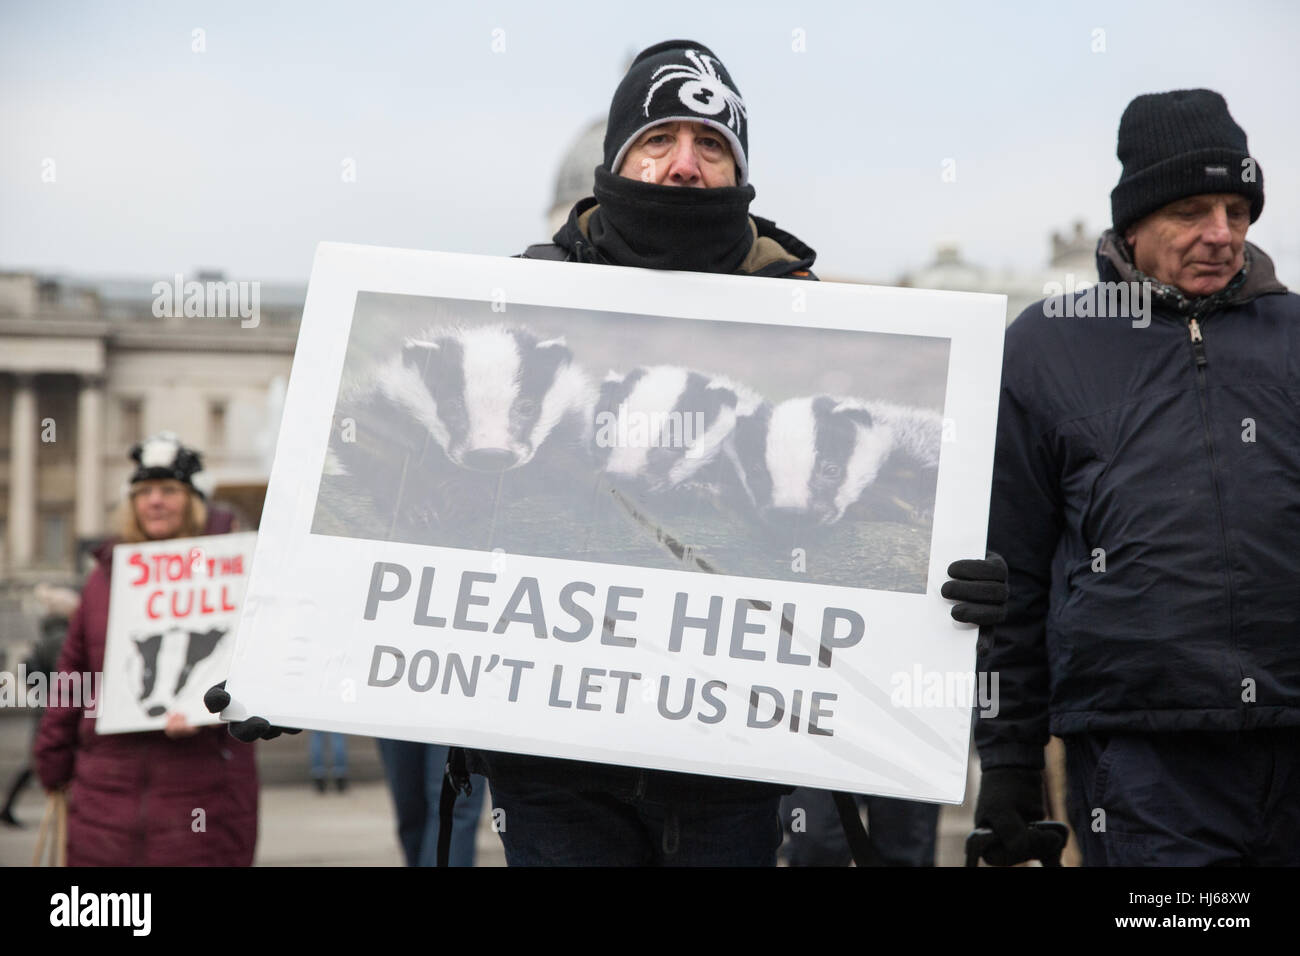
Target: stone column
[(22, 474), (90, 458)]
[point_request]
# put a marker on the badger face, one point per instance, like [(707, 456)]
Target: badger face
[(807, 460), (489, 396), (166, 661), (664, 425)]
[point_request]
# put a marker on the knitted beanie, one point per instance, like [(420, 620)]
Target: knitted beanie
[(674, 81), (163, 456), (1178, 144)]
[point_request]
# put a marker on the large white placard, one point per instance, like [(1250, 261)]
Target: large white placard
[(172, 611), (669, 520)]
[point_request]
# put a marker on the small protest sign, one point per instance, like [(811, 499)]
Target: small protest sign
[(172, 609)]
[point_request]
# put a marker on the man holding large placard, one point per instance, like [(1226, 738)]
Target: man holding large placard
[(676, 120), (465, 453)]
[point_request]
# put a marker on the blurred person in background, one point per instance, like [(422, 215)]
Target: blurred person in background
[(43, 658), (338, 768), (132, 796), (414, 771)]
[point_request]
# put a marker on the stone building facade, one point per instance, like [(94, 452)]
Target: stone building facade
[(87, 369)]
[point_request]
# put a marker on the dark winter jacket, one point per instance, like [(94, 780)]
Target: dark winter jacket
[(1146, 496), (774, 253), (132, 797)]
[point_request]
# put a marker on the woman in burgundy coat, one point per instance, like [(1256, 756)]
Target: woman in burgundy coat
[(132, 797)]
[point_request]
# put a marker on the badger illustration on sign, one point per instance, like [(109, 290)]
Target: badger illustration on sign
[(917, 433), (166, 661), (807, 461), (904, 489), (459, 416), (492, 396), (665, 427)]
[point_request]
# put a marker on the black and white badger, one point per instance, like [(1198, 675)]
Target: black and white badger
[(491, 396), (665, 428), (166, 661), (806, 462), (459, 417)]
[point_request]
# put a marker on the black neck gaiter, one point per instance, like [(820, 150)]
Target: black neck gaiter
[(670, 227)]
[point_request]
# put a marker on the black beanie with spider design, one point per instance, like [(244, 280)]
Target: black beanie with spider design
[(675, 81)]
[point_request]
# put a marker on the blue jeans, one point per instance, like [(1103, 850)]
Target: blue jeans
[(903, 831), (550, 826), (415, 772), (316, 753)]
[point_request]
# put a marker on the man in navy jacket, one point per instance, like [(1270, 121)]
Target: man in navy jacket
[(1146, 497)]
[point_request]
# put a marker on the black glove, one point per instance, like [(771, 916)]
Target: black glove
[(1010, 799), (254, 728), (980, 587)]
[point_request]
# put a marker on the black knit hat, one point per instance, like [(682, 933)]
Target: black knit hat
[(163, 456), (674, 81), (1178, 144)]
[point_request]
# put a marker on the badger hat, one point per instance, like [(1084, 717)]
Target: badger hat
[(163, 456), (676, 81), (1178, 144)]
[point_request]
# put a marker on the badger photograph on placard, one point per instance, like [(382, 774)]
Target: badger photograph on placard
[(748, 449)]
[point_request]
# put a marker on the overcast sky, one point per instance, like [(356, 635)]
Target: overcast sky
[(168, 160)]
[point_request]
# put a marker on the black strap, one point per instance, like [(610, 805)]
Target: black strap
[(455, 779), (863, 850)]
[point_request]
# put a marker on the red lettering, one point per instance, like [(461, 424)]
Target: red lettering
[(137, 561), (189, 604), (204, 606), (226, 604), (148, 606)]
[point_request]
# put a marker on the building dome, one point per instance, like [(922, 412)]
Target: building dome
[(575, 177)]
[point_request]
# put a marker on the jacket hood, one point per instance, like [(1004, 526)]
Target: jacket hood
[(775, 252), (1115, 264)]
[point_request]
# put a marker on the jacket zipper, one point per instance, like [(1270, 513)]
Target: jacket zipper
[(1198, 343), (1198, 353)]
